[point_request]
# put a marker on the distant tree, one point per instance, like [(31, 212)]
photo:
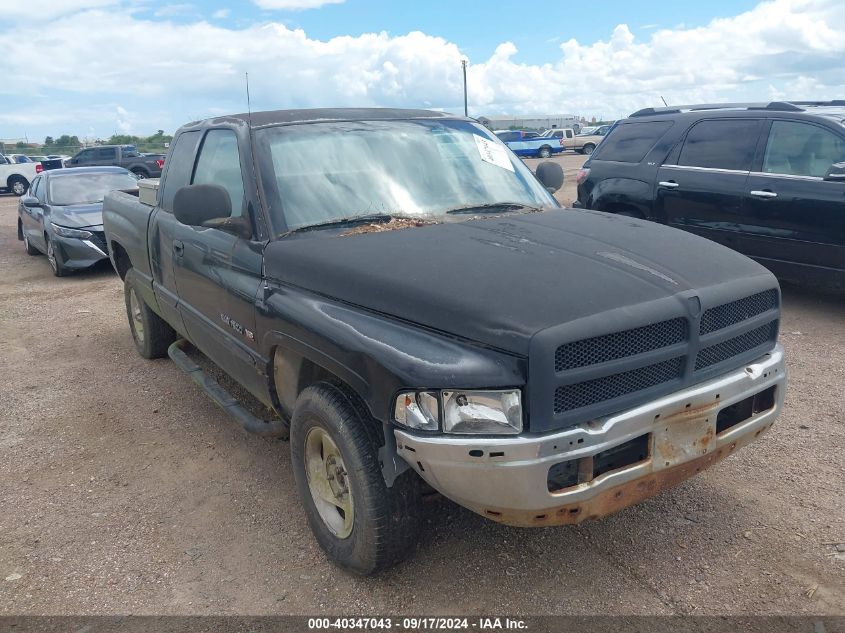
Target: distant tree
[(21, 145), (66, 141), (48, 140)]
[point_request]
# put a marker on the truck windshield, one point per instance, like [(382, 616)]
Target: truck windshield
[(322, 172), (86, 188)]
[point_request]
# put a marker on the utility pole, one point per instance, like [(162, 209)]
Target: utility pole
[(464, 64)]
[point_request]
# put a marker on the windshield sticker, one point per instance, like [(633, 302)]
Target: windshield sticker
[(493, 153)]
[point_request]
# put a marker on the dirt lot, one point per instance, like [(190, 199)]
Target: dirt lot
[(124, 490)]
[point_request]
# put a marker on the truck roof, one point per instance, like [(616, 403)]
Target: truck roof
[(312, 115)]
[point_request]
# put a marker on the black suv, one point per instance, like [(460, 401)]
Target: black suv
[(767, 180)]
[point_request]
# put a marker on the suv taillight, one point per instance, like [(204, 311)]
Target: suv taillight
[(160, 163), (583, 174), (39, 168), (561, 142)]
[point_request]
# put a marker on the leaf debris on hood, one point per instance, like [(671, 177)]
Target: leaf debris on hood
[(394, 225)]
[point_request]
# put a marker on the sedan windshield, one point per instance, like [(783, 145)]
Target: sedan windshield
[(325, 172), (87, 188)]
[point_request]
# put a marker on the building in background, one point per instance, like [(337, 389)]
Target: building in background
[(531, 122)]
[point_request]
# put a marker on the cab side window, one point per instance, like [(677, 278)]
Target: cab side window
[(178, 168), (801, 149), (35, 189), (219, 163), (721, 144)]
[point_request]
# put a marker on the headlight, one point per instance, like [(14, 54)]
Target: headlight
[(467, 412), (418, 410), (68, 232)]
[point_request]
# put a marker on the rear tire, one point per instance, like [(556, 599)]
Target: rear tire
[(140, 173), (359, 522), (18, 185), (588, 149), (545, 152), (150, 333)]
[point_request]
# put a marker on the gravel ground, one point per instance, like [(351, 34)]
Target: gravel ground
[(124, 490)]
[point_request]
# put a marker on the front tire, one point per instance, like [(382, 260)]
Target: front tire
[(30, 249), (53, 258), (150, 333), (359, 522)]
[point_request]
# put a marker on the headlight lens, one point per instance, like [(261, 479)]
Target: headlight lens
[(496, 412), (65, 231), (418, 410)]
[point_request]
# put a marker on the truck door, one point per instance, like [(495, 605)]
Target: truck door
[(163, 227), (792, 215), (702, 191), (218, 274)]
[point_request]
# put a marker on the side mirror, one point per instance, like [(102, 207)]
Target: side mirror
[(209, 206), (31, 201), (196, 204), (550, 175), (836, 173)]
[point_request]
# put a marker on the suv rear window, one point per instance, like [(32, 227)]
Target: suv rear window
[(721, 144), (630, 142)]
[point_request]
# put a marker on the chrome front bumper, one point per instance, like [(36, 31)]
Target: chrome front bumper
[(507, 479)]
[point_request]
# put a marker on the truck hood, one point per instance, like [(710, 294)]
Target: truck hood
[(78, 216), (498, 281)]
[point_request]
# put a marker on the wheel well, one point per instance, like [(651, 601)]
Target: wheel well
[(122, 263), (15, 177), (293, 373)]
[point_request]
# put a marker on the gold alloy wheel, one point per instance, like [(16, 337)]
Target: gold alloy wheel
[(328, 482)]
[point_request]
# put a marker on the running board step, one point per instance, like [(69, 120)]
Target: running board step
[(223, 399)]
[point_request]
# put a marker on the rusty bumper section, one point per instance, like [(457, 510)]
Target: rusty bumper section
[(611, 500), (601, 466)]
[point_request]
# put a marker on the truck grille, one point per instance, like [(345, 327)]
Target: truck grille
[(597, 376), (727, 314), (735, 346), (580, 395), (601, 349)]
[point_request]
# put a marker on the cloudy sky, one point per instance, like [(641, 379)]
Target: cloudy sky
[(95, 67)]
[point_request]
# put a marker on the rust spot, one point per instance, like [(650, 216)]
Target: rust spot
[(613, 499), (394, 225), (688, 413)]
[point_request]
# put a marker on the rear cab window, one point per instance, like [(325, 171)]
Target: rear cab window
[(630, 142), (721, 144)]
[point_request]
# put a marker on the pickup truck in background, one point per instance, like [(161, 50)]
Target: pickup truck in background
[(414, 306), (529, 143), (126, 156), (16, 177)]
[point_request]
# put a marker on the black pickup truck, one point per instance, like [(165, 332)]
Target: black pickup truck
[(126, 156), (415, 307)]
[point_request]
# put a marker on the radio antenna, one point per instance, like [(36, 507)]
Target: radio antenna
[(661, 98), (248, 106)]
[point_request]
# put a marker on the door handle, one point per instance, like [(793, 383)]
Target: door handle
[(764, 194), (178, 247), (668, 184)]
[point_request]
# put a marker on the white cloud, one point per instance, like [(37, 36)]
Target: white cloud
[(294, 5), (220, 14), (780, 49)]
